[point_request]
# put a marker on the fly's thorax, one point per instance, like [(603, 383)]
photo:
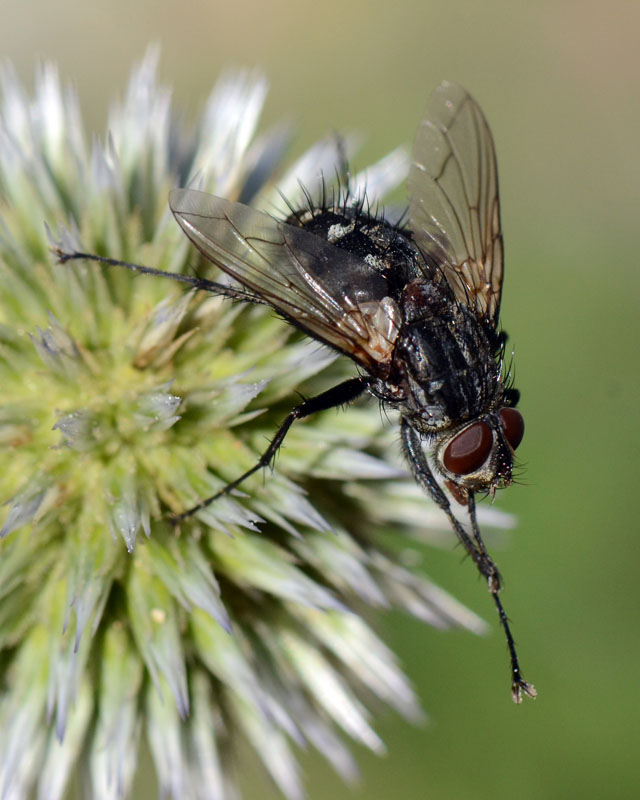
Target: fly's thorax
[(444, 361), (383, 247)]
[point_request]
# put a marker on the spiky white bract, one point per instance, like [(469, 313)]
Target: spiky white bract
[(124, 399)]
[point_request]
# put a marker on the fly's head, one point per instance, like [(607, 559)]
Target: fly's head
[(478, 455)]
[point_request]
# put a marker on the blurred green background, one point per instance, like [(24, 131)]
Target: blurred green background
[(560, 84)]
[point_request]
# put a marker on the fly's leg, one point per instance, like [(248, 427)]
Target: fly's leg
[(519, 686), (414, 453), (339, 395), (412, 446), (203, 284), (493, 577)]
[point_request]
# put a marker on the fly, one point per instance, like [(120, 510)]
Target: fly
[(415, 308)]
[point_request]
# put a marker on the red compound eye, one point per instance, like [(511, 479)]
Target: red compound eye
[(513, 424), (470, 449)]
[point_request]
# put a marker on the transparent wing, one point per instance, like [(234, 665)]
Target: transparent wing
[(331, 294), (454, 206)]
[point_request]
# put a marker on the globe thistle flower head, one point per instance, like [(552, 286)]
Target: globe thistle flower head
[(126, 399)]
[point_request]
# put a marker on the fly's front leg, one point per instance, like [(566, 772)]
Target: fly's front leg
[(519, 687), (339, 395), (412, 446), (493, 574)]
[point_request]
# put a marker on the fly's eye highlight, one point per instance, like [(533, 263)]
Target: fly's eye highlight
[(513, 424), (470, 449)]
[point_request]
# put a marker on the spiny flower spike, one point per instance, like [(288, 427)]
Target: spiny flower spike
[(125, 400)]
